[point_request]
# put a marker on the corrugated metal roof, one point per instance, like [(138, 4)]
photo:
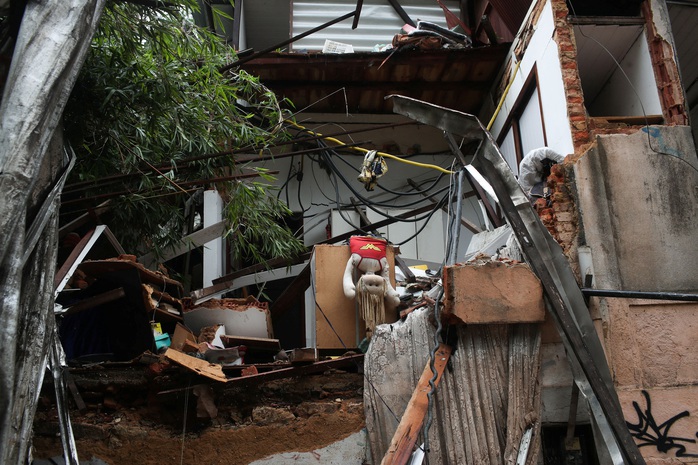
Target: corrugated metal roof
[(378, 23)]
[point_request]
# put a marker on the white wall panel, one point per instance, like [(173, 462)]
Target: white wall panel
[(542, 54), (531, 125)]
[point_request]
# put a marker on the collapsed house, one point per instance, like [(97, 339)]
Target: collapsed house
[(584, 353)]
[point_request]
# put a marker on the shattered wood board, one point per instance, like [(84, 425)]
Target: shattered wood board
[(209, 370), (259, 343), (484, 403), (330, 263), (410, 426), (491, 292), (249, 321)]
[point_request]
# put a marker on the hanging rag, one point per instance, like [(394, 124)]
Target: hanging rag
[(373, 167)]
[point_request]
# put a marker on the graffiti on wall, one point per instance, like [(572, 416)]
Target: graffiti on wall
[(649, 433)]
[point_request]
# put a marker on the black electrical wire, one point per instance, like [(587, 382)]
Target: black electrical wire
[(312, 170), (369, 203), (421, 228), (291, 172), (399, 193)]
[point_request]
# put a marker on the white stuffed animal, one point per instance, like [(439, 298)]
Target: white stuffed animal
[(372, 290)]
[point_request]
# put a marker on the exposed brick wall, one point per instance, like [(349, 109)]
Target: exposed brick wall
[(666, 72), (560, 216)]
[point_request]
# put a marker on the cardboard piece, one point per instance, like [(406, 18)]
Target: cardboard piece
[(330, 263), (181, 334)]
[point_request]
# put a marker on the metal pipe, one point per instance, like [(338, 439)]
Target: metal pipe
[(639, 294)]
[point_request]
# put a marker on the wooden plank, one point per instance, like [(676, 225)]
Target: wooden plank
[(251, 342), (70, 381), (83, 219), (410, 426), (276, 262), (187, 243), (76, 256), (201, 367), (318, 367), (91, 302)]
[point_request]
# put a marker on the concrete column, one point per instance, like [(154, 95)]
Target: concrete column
[(214, 251)]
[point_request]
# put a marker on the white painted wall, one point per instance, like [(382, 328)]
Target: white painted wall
[(542, 53), (629, 93)]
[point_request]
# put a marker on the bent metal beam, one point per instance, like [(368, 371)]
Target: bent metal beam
[(564, 298)]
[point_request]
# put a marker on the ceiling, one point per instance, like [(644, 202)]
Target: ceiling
[(359, 82)]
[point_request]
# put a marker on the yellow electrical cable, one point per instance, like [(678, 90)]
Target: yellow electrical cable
[(504, 95), (363, 150)]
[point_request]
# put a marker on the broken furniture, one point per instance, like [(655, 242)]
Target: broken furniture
[(110, 318)]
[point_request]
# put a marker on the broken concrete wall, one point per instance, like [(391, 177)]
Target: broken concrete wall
[(651, 350), (666, 68), (639, 209), (486, 399), (639, 215)]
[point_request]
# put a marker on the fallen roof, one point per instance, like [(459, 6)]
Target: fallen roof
[(457, 78)]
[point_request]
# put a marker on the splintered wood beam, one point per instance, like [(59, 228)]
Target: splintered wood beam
[(405, 437), (96, 301)]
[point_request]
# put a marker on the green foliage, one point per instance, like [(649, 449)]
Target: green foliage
[(151, 94), (254, 217)]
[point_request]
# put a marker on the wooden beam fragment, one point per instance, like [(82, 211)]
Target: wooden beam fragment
[(187, 243), (251, 342), (301, 370), (405, 436), (96, 301), (202, 367)]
